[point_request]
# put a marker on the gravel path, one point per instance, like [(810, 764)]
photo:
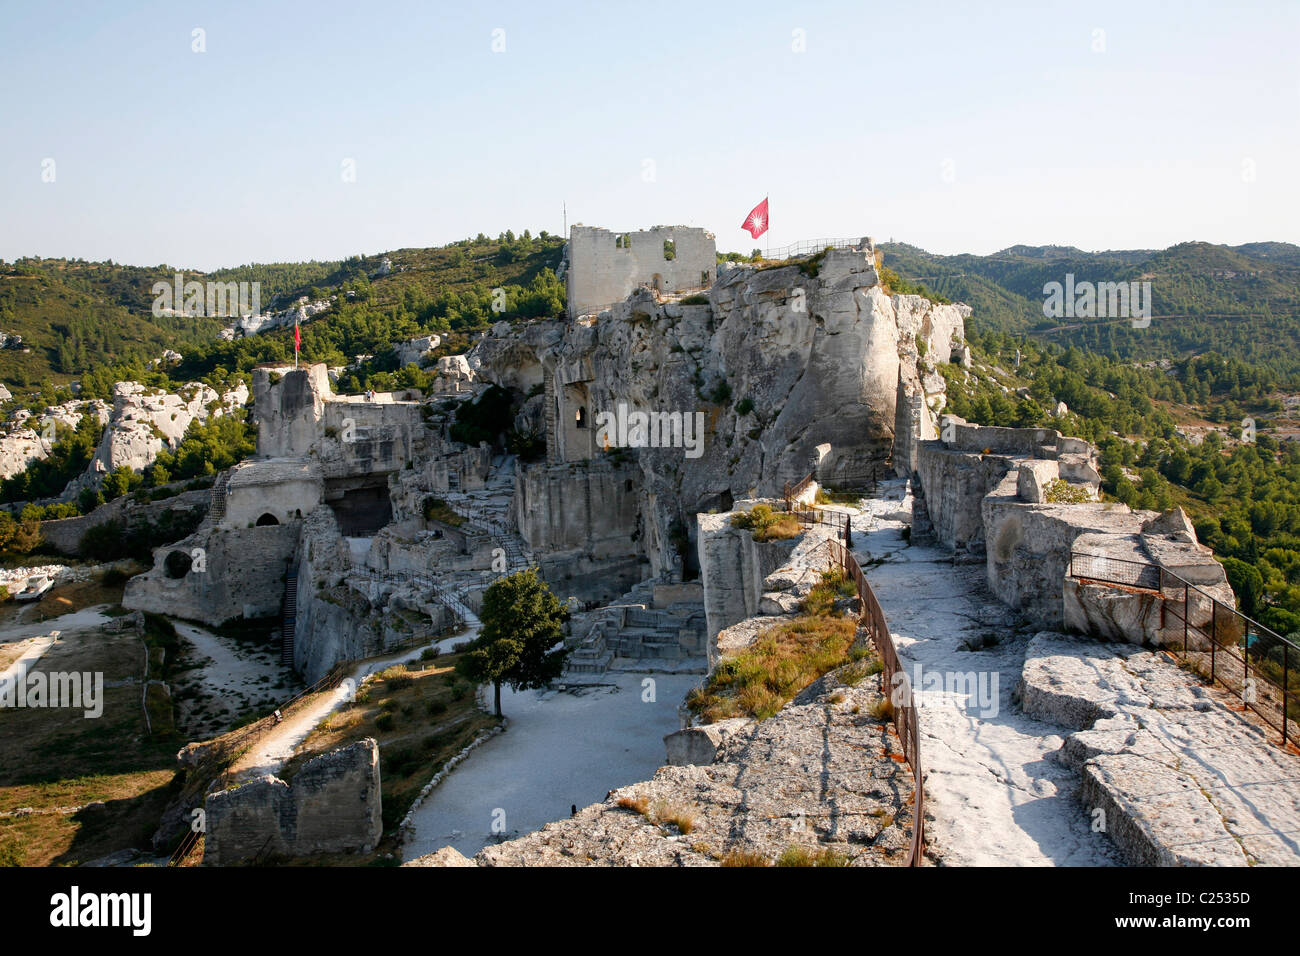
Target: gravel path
[(562, 749)]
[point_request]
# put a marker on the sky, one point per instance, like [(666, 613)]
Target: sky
[(215, 134)]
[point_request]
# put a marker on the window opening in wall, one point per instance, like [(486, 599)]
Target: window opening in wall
[(580, 416)]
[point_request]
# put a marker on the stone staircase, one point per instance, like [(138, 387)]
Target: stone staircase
[(632, 635), (217, 506), (552, 442), (288, 614), (487, 511), (448, 597)]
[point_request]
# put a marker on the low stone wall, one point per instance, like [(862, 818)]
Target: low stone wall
[(333, 805), (64, 535)]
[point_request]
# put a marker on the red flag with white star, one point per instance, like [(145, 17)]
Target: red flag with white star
[(756, 221)]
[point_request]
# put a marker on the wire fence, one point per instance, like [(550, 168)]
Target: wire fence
[(810, 247), (893, 678), (1212, 638)]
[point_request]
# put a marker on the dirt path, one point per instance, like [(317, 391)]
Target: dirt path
[(230, 680), (273, 751)]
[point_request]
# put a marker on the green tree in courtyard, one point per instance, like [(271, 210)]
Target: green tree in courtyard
[(522, 622)]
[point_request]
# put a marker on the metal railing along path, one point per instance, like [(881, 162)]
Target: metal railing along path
[(872, 617)]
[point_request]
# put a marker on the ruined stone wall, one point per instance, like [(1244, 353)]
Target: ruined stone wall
[(241, 574), (333, 805), (733, 567), (955, 484), (288, 411), (584, 524), (605, 266), (370, 437), (286, 500)]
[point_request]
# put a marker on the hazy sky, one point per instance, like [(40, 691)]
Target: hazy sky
[(959, 126)]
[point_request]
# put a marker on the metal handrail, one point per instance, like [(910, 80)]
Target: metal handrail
[(1240, 652), (810, 247), (906, 721)]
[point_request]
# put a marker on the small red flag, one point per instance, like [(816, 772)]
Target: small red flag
[(297, 336), (756, 221)]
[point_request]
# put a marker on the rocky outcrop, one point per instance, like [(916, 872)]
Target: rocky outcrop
[(146, 421), (333, 805), (1163, 758), (412, 351), (778, 363), (28, 438)]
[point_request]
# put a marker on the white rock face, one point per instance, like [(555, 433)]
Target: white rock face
[(779, 363), (20, 448), (300, 311), (30, 437), (411, 351), (147, 420)]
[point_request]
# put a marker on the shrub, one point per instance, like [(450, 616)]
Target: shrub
[(114, 577), (766, 524), (795, 855), (1060, 491), (744, 406)]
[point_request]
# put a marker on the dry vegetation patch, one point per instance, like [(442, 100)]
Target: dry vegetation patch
[(761, 679)]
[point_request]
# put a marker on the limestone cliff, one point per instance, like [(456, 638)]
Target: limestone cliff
[(789, 368)]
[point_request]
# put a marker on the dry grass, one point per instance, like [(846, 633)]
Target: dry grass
[(635, 804), (758, 681), (57, 757), (745, 858), (766, 524), (883, 709), (796, 855), (679, 815)]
